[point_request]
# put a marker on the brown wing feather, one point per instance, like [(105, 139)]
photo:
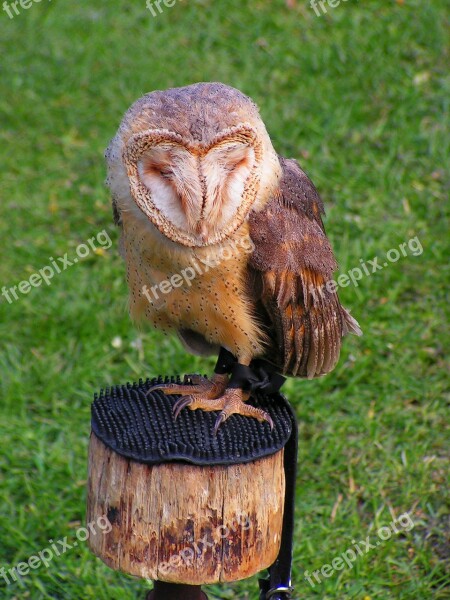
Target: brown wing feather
[(291, 265)]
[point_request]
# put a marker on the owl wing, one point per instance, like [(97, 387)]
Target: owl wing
[(289, 271)]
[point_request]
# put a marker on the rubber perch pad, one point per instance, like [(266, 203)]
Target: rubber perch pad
[(143, 427)]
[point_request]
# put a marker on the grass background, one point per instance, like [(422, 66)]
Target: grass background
[(359, 97)]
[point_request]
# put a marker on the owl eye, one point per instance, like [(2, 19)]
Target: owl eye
[(165, 172), (240, 163), (150, 168), (157, 161), (234, 157)]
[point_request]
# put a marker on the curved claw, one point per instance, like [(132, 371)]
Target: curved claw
[(158, 386), (220, 419), (268, 418), (224, 416), (189, 386), (153, 388), (180, 404)]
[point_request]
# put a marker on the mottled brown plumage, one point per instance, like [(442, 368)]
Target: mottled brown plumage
[(195, 180), (290, 267)]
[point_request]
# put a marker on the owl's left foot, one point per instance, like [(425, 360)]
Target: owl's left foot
[(195, 385), (232, 402)]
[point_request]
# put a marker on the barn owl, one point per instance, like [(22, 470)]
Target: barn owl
[(224, 245)]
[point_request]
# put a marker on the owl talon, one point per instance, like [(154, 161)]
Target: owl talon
[(233, 401), (245, 410), (220, 419), (180, 404), (268, 418), (165, 388), (193, 385)]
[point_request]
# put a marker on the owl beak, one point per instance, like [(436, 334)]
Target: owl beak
[(202, 231)]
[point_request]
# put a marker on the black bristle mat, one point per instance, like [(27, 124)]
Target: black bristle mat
[(143, 427)]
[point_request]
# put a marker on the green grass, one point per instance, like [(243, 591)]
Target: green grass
[(360, 97)]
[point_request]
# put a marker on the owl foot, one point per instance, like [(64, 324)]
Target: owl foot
[(232, 402), (195, 385)]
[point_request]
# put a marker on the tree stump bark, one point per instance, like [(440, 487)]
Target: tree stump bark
[(181, 523)]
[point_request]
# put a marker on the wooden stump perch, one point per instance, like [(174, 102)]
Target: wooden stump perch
[(183, 523), (187, 507)]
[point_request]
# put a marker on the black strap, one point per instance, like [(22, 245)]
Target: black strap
[(261, 376), (225, 362), (278, 586), (258, 377)]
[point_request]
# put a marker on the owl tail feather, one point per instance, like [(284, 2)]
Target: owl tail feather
[(351, 325)]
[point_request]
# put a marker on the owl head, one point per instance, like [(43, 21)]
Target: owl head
[(193, 161)]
